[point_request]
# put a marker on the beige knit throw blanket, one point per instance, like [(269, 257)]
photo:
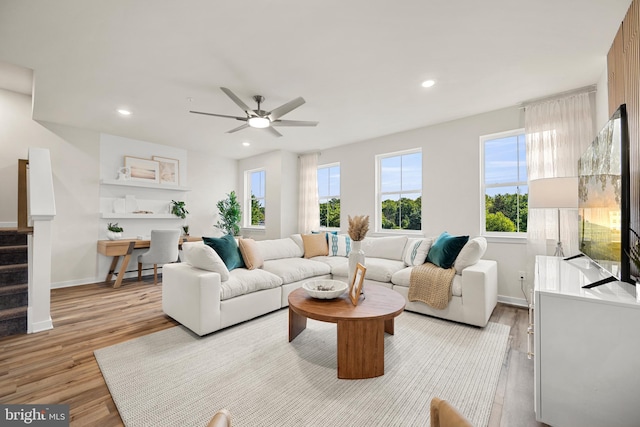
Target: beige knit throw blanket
[(431, 285)]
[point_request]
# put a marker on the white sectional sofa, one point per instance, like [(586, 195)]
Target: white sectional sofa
[(203, 295)]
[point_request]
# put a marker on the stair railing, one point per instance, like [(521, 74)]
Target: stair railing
[(23, 209)]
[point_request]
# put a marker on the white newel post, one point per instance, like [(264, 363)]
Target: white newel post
[(42, 210)]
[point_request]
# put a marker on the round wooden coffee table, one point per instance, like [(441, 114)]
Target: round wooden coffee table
[(361, 328)]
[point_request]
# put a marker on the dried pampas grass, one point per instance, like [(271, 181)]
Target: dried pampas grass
[(358, 227)]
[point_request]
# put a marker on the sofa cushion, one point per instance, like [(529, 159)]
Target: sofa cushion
[(378, 269), (279, 248), (416, 250), (298, 239), (295, 269), (243, 281), (391, 247), (315, 245), (470, 253), (227, 248), (446, 248), (402, 278), (250, 254), (332, 261), (199, 255), (339, 245)]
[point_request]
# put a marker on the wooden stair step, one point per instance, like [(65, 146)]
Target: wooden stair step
[(12, 313), (14, 289), (13, 267)]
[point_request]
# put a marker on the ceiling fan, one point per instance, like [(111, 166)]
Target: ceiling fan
[(259, 118)]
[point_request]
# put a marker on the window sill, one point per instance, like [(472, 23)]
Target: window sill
[(516, 240)]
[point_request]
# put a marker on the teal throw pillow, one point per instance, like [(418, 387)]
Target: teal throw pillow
[(227, 248), (445, 250)]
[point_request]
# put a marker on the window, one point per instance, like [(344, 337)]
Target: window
[(399, 191), (329, 195), (254, 206), (505, 187)]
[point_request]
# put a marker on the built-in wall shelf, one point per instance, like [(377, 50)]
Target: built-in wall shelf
[(138, 216), (141, 184)]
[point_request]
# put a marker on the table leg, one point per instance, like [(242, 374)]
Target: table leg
[(297, 324), (123, 266), (114, 262), (389, 326), (360, 348)]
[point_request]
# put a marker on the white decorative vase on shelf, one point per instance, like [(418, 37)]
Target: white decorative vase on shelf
[(355, 256), (112, 235)]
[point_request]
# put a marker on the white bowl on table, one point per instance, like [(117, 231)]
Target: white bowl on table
[(324, 289)]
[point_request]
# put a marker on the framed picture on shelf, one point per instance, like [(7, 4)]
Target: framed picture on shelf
[(144, 170), (169, 170), (356, 284)]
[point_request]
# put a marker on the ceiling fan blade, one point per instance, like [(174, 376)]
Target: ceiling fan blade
[(273, 131), (219, 115), (285, 108), (244, 126), (293, 123), (238, 101)]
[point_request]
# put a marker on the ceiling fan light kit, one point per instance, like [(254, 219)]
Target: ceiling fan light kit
[(259, 122), (259, 118)]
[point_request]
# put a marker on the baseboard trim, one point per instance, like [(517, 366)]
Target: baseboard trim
[(520, 302), (92, 280), (8, 224), (36, 327)]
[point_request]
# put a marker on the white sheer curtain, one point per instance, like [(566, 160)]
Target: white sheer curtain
[(557, 133), (308, 205)]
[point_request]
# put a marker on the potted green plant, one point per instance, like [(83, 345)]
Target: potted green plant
[(185, 228), (230, 214), (114, 231), (179, 209)]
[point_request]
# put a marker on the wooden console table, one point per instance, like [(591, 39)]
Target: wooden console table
[(125, 247)]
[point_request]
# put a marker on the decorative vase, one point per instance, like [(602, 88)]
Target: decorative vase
[(112, 235), (355, 256)]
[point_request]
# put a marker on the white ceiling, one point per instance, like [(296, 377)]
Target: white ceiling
[(358, 63)]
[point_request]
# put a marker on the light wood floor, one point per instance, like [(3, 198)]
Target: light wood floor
[(58, 366)]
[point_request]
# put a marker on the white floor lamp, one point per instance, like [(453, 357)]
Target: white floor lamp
[(554, 193)]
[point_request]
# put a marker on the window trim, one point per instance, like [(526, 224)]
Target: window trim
[(483, 187), (378, 195), (325, 166), (246, 215)]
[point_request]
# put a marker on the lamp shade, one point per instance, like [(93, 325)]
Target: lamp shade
[(554, 193)]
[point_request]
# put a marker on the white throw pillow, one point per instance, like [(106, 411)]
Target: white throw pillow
[(203, 256), (470, 254), (416, 250), (339, 245), (384, 247)]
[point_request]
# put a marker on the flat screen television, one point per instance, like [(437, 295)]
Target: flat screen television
[(603, 199)]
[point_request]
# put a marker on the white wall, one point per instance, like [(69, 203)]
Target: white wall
[(74, 161), (451, 183), (205, 177), (281, 208), (77, 164)]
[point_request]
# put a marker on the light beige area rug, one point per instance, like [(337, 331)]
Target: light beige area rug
[(175, 378)]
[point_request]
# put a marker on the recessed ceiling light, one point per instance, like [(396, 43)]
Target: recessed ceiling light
[(246, 144), (124, 112), (428, 83)]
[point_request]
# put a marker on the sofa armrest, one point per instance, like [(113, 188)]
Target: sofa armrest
[(192, 297), (480, 291)]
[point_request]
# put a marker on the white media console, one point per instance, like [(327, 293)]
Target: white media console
[(586, 347)]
